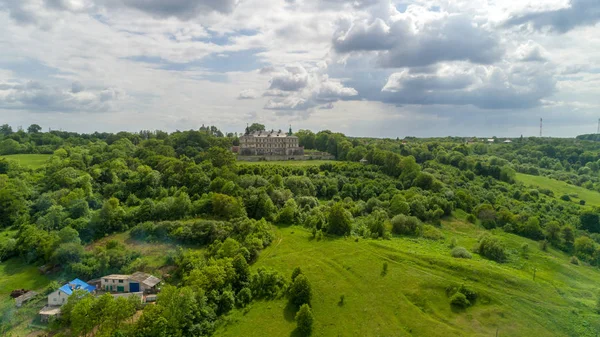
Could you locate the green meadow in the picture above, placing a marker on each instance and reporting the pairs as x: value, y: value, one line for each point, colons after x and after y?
x: 32, y: 161
x: 411, y: 298
x: 561, y: 188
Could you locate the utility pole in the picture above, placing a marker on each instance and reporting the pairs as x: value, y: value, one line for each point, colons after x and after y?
x: 540, y: 128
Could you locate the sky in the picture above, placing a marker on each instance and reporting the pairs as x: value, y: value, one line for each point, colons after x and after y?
x: 377, y: 68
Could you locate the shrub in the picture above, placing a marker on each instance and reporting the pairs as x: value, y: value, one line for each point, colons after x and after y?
x: 385, y: 269
x: 342, y: 298
x: 469, y: 293
x: 405, y: 225
x: 432, y: 233
x: 544, y: 245
x: 297, y: 271
x: 304, y: 320
x: 459, y: 300
x: 492, y: 248
x: 300, y: 291
x: 582, y: 202
x: 565, y: 197
x: 574, y: 260
x: 453, y: 243
x: 461, y: 253
x: 244, y: 297
x: 471, y: 218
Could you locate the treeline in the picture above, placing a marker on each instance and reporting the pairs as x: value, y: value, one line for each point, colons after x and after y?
x: 187, y: 188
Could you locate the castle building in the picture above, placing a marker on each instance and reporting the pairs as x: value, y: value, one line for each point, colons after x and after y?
x: 270, y: 143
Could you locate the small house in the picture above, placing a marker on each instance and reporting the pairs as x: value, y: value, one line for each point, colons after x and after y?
x: 116, y: 283
x: 60, y: 296
x: 137, y: 282
x: 508, y: 141
x: 147, y: 283
x: 364, y: 161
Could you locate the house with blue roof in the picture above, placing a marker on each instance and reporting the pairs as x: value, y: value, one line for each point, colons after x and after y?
x: 60, y: 296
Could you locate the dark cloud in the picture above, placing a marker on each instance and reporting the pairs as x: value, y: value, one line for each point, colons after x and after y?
x: 486, y: 87
x: 398, y: 44
x: 183, y: 9
x: 578, y: 13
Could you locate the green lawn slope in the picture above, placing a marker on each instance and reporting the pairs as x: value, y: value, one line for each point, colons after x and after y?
x: 32, y: 161
x: 411, y: 299
x: 561, y: 188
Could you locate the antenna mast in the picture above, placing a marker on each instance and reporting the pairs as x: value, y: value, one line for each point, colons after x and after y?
x: 597, y: 132
x: 540, y: 128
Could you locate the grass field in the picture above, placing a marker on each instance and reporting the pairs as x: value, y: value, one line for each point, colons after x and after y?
x: 411, y: 300
x: 288, y: 162
x: 16, y: 274
x: 32, y: 161
x: 560, y: 188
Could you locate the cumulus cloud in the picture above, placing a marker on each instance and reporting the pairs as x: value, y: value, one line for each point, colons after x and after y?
x: 35, y: 96
x: 248, y: 94
x: 296, y: 88
x: 577, y: 13
x: 420, y: 38
x: 502, y: 86
x: 532, y: 52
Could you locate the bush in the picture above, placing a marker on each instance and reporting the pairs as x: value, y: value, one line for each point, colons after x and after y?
x: 453, y: 243
x: 432, y: 233
x: 565, y: 197
x: 582, y: 202
x: 385, y: 269
x: 492, y: 248
x: 469, y: 293
x: 574, y: 260
x: 300, y: 291
x: 304, y: 320
x: 461, y: 253
x: 544, y: 245
x: 405, y: 225
x: 244, y: 297
x: 471, y: 218
x: 459, y: 300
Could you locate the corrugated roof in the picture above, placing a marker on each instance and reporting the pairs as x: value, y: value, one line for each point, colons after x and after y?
x: 117, y: 277
x: 145, y: 278
x: 75, y: 285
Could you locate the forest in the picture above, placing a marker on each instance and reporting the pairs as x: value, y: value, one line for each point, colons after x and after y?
x: 222, y: 219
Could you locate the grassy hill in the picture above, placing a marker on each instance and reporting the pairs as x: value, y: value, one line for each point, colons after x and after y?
x: 32, y: 161
x: 561, y: 188
x: 411, y: 299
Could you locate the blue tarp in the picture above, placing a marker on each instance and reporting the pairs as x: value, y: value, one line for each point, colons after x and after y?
x: 76, y: 284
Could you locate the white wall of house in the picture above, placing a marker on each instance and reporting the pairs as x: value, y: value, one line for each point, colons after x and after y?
x: 58, y: 297
x: 114, y: 285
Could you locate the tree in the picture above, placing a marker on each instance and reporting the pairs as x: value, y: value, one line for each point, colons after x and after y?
x: 295, y: 273
x: 300, y: 291
x: 220, y: 157
x: 340, y: 220
x: 304, y: 320
x: 256, y: 127
x: 288, y: 213
x: 244, y: 297
x: 553, y: 231
x: 6, y: 130
x: 34, y: 128
x: 82, y: 316
x: 590, y: 221
x: 398, y: 205
x: 405, y: 225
